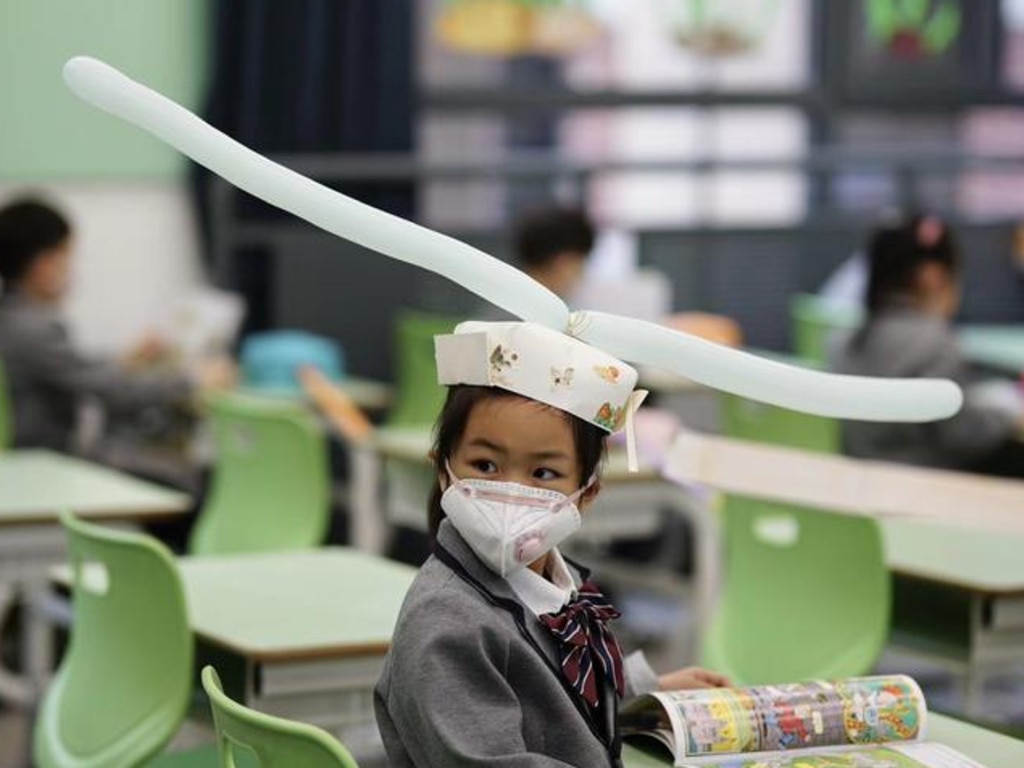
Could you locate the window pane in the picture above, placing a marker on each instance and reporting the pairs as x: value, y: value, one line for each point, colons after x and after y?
x: 998, y: 191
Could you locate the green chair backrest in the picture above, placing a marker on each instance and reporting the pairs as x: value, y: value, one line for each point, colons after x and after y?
x: 123, y: 687
x: 749, y: 420
x: 276, y: 743
x: 806, y: 595
x: 815, y: 321
x: 271, y: 481
x: 6, y: 412
x: 418, y: 398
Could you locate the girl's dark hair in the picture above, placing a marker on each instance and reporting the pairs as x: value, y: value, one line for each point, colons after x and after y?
x: 899, y: 249
x: 451, y: 426
x: 543, y: 234
x: 896, y: 252
x: 28, y: 228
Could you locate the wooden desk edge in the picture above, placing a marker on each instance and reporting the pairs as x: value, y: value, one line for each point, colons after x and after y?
x: 985, y: 590
x: 98, y: 515
x: 346, y: 651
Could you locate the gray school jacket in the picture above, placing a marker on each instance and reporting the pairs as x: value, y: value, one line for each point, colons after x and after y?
x: 47, y: 377
x: 473, y: 679
x: 903, y: 342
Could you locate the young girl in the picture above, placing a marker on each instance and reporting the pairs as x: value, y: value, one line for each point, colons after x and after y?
x: 502, y: 654
x: 912, y: 295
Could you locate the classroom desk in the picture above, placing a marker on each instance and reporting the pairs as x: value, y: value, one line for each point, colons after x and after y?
x: 311, y: 627
x: 985, y: 567
x: 992, y: 750
x: 368, y: 394
x: 1000, y: 347
x: 34, y: 487
x: 308, y: 629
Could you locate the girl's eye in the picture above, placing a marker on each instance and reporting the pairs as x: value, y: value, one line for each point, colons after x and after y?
x: 484, y: 465
x: 543, y: 473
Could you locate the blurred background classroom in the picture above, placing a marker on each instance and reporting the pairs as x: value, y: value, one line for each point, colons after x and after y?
x: 717, y: 166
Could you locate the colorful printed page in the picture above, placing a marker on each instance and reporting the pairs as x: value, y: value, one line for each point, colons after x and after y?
x: 773, y: 718
x: 866, y: 710
x: 917, y: 755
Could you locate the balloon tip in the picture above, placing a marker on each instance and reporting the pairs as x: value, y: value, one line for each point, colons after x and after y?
x: 81, y: 71
x: 73, y: 70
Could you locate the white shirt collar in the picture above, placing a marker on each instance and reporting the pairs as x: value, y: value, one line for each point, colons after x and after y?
x: 538, y: 593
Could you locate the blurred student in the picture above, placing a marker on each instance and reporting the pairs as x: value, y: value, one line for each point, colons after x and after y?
x: 552, y: 246
x: 47, y: 376
x: 913, y: 293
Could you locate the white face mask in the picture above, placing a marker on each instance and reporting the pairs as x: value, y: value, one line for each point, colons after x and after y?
x: 509, y: 525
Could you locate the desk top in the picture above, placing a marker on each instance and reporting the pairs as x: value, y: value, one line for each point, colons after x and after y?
x: 413, y: 444
x: 993, y: 750
x: 296, y: 605
x: 973, y: 560
x: 368, y: 394
x: 36, y: 485
x: 995, y: 346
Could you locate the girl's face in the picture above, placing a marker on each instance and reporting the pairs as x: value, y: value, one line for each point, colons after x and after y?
x: 938, y: 290
x: 513, y: 439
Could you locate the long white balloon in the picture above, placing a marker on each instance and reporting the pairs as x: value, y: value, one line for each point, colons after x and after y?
x: 758, y: 378
x: 501, y: 284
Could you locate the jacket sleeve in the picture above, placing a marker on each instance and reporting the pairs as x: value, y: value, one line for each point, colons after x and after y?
x: 640, y: 677
x: 448, y: 699
x: 54, y: 361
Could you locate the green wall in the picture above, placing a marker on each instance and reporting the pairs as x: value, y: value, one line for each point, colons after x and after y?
x: 47, y: 134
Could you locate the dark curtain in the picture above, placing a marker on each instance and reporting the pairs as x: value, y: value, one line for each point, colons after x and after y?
x: 316, y: 76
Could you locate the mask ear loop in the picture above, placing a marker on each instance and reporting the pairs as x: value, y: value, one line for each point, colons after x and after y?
x: 636, y: 398
x: 456, y: 482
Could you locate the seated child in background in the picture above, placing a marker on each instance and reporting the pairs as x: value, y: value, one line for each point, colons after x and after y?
x: 502, y: 655
x: 46, y: 376
x: 913, y: 293
x: 552, y: 246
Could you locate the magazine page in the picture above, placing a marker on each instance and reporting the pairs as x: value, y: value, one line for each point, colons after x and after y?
x: 915, y: 755
x: 856, y: 711
x: 652, y: 716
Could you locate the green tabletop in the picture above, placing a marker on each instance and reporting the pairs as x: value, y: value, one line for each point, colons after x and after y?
x: 296, y: 605
x: 369, y: 394
x: 979, y: 561
x: 991, y: 749
x: 995, y: 346
x: 36, y: 485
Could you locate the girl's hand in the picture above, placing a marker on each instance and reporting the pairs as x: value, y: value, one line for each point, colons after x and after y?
x: 692, y: 677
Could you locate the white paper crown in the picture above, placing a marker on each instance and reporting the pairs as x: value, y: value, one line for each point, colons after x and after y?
x: 541, y: 364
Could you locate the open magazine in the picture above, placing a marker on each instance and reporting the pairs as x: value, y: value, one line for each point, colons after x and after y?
x: 863, y: 722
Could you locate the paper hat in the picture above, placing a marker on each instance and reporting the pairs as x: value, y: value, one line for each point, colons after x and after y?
x: 741, y: 373
x: 541, y: 364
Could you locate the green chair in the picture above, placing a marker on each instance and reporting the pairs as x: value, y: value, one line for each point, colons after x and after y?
x: 814, y: 323
x: 806, y: 594
x: 760, y: 423
x: 748, y: 420
x: 274, y: 742
x: 418, y: 398
x: 6, y: 412
x: 271, y: 482
x: 124, y: 685
x: 418, y: 402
